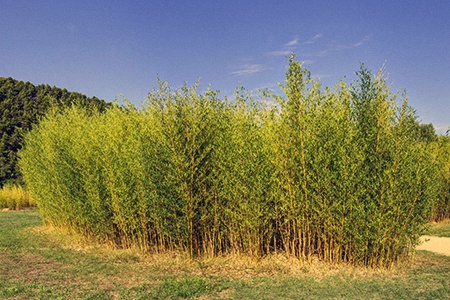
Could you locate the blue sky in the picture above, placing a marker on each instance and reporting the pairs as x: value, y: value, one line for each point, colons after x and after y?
x: 108, y: 48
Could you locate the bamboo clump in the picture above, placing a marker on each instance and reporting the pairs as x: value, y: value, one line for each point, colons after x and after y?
x: 335, y: 173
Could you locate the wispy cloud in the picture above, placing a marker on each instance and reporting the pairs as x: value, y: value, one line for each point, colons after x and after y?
x: 248, y: 69
x: 334, y: 47
x: 351, y: 46
x: 296, y: 45
x: 313, y: 39
x: 279, y: 53
x: 287, y: 48
x: 290, y: 46
x: 292, y: 43
x: 317, y: 36
x: 321, y: 53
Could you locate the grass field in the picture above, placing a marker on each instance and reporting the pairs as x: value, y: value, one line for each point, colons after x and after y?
x: 37, y: 262
x: 441, y: 229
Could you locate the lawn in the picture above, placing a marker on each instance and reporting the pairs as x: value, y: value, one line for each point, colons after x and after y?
x: 441, y: 229
x: 37, y: 262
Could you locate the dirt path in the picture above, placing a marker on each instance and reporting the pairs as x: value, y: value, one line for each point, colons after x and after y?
x: 435, y: 244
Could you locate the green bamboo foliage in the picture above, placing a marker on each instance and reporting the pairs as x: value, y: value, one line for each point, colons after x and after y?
x: 245, y: 178
x: 190, y: 128
x: 394, y: 175
x: 296, y: 113
x: 336, y: 173
x: 440, y: 152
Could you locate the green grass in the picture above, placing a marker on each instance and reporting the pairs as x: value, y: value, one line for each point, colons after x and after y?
x: 441, y: 229
x: 37, y: 262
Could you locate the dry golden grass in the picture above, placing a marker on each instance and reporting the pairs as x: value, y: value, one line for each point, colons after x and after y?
x: 236, y: 266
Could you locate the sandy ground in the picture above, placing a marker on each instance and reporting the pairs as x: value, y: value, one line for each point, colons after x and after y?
x: 435, y: 244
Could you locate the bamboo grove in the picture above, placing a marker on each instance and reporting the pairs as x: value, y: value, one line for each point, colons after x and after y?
x: 339, y: 173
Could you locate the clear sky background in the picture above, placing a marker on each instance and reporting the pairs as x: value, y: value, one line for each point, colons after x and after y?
x: 108, y: 48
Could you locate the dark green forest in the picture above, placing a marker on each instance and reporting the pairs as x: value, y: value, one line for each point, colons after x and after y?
x: 22, y: 104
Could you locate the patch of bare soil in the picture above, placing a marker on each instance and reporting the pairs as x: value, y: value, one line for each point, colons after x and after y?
x: 440, y: 245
